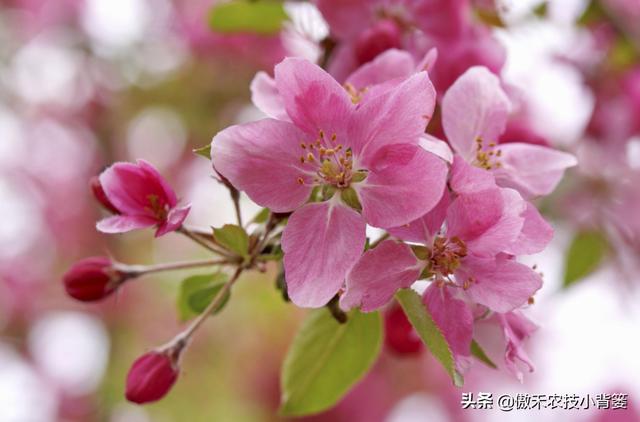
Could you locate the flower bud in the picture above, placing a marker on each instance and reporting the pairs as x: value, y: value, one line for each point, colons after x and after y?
x: 151, y: 376
x: 100, y: 195
x: 400, y: 336
x: 92, y: 279
x: 377, y: 39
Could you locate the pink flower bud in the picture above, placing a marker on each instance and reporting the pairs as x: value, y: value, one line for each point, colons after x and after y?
x: 151, y: 377
x: 377, y: 39
x: 400, y: 336
x: 98, y: 193
x: 92, y: 279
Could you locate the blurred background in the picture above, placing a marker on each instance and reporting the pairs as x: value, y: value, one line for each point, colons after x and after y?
x: 84, y: 83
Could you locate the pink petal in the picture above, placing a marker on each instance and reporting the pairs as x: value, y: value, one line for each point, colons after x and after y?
x: 535, y: 235
x: 174, y: 220
x: 129, y: 187
x: 155, y: 175
x: 466, y: 178
x: 455, y: 320
x: 125, y: 223
x: 378, y: 274
x: 501, y: 284
x: 346, y: 18
x: 474, y: 107
x: 263, y: 159
x: 426, y: 227
x: 533, y: 170
x: 265, y: 96
x: 436, y: 146
x: 488, y: 221
x: 392, y: 64
x: 516, y: 328
x: 400, y: 115
x: 404, y: 183
x: 313, y: 99
x: 428, y: 61
x: 321, y: 243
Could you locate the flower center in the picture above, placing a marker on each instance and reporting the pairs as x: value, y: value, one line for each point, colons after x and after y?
x: 446, y: 255
x: 330, y: 162
x: 487, y: 157
x: 157, y: 207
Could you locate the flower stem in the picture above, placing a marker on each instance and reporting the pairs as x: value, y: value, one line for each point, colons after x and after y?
x: 196, y: 237
x: 138, y: 270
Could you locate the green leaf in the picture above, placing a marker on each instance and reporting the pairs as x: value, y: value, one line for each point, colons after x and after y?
x: 326, y: 359
x: 262, y: 216
x: 258, y: 17
x: 196, y: 292
x: 429, y: 332
x: 584, y: 256
x: 478, y: 352
x: 204, y: 151
x: 233, y: 238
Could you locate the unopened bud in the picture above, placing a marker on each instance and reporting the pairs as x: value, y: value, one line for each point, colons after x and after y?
x: 92, y: 279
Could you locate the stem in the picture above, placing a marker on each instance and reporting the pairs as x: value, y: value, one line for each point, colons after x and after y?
x: 235, y: 196
x: 139, y: 270
x: 213, y: 305
x: 193, y: 236
x: 379, y: 240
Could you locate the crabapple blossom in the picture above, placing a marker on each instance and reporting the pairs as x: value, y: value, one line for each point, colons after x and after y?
x: 142, y: 197
x: 474, y: 115
x: 485, y: 225
x: 364, y: 156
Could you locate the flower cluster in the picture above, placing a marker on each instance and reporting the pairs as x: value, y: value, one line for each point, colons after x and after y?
x: 342, y: 157
x: 370, y: 143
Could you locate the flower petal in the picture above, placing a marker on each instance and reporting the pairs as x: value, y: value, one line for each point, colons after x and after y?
x: 154, y: 175
x: 403, y: 184
x: 312, y: 98
x: 265, y: 96
x: 437, y: 147
x: 466, y: 178
x: 125, y: 223
x: 474, y: 107
x: 378, y: 274
x: 533, y: 170
x: 426, y: 227
x: 488, y: 221
x: 263, y: 159
x: 516, y: 328
x: 501, y: 284
x: 321, y: 243
x: 392, y: 64
x: 455, y: 320
x: 535, y: 235
x: 399, y: 115
x: 174, y: 220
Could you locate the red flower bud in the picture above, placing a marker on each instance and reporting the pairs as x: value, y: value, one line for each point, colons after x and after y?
x: 379, y: 38
x: 92, y: 279
x: 400, y: 336
x: 100, y: 195
x: 151, y: 377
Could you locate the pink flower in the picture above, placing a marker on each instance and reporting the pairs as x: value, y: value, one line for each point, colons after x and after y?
x: 151, y: 377
x: 365, y: 154
x: 485, y: 225
x: 474, y: 115
x: 92, y: 279
x: 142, y: 197
x: 516, y: 329
x: 365, y: 29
